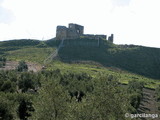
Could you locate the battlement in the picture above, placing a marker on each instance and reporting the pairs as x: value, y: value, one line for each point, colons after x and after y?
x: 75, y: 31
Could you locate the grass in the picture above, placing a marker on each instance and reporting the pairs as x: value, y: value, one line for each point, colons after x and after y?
x: 30, y: 54
x: 95, y: 70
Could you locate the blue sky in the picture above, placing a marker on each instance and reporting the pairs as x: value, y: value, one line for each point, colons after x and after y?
x: 131, y: 21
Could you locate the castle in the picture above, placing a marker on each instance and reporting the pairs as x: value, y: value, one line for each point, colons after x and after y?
x: 75, y: 31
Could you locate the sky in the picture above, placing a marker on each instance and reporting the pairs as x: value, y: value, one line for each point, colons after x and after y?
x: 131, y: 21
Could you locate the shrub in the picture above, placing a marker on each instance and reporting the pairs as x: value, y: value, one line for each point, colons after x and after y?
x: 22, y: 66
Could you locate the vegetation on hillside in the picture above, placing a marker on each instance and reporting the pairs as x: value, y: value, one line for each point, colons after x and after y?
x: 94, y: 69
x: 19, y: 43
x: 11, y: 45
x: 26, y: 50
x: 56, y: 95
x: 85, y: 85
x: 137, y: 59
x: 31, y: 54
x: 135, y: 89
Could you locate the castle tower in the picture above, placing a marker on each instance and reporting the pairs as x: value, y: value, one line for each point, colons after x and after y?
x: 61, y: 32
x: 110, y: 38
x: 77, y: 28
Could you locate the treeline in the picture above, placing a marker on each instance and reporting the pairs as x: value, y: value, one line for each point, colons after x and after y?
x: 52, y: 95
x: 19, y: 43
x: 11, y: 45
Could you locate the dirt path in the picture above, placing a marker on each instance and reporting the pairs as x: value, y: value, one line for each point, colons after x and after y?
x: 148, y: 104
x: 11, y: 65
x: 34, y: 67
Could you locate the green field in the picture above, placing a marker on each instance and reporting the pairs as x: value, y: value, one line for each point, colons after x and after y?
x: 30, y: 54
x: 95, y: 70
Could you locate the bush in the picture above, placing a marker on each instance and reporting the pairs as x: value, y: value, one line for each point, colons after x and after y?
x: 135, y: 90
x: 8, y: 86
x: 5, y: 109
x: 22, y: 66
x: 135, y: 100
x: 2, y: 61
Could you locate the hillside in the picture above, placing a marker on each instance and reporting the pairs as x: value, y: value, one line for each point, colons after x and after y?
x: 140, y: 60
x: 87, y: 79
x: 27, y: 50
x: 137, y: 59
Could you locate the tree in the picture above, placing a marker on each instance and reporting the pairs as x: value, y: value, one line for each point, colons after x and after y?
x: 2, y: 61
x: 5, y: 109
x: 51, y: 103
x: 26, y: 81
x: 135, y: 93
x: 25, y: 108
x: 15, y: 106
x: 22, y: 66
x: 8, y: 86
x: 107, y: 102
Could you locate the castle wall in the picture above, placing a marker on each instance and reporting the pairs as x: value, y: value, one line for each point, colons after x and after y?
x: 89, y: 36
x: 92, y: 36
x: 101, y: 37
x: 72, y: 34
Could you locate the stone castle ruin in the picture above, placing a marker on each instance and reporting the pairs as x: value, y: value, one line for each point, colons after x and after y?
x: 75, y: 31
